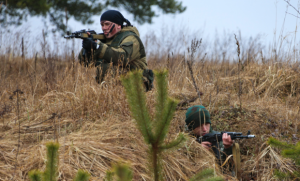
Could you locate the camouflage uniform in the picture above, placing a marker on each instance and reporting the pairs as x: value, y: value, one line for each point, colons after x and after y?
x: 125, y: 51
x: 198, y: 115
x: 220, y: 151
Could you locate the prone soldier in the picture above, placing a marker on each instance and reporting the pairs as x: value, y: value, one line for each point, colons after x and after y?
x: 199, y: 124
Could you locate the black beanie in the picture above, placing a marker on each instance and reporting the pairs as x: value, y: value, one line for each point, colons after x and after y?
x: 115, y: 17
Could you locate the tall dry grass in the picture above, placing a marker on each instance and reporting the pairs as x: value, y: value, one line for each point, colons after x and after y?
x: 61, y: 101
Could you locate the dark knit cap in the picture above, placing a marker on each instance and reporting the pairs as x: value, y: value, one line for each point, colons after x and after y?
x: 195, y: 116
x: 115, y: 17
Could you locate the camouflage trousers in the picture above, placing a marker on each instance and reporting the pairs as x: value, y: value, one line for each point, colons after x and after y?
x: 103, y: 68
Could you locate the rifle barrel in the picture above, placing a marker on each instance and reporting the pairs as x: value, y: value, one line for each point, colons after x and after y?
x: 245, y: 136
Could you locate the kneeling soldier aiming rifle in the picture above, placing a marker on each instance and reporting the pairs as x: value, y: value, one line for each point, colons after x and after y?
x: 119, y: 46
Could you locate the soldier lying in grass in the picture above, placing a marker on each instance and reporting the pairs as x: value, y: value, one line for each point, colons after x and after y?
x: 198, y: 123
x: 122, y: 48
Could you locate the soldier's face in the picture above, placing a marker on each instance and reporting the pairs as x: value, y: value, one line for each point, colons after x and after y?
x: 202, y: 130
x: 109, y: 28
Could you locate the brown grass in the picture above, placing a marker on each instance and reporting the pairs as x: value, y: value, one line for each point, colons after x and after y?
x: 92, y: 122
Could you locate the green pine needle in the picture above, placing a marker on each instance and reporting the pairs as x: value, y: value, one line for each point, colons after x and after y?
x: 175, y: 143
x: 281, y: 175
x: 35, y: 175
x: 123, y: 172
x: 137, y: 101
x: 154, y: 132
x: 214, y: 179
x: 276, y: 143
x: 207, y: 175
x: 51, y: 171
x: 109, y: 175
x: 162, y: 126
x: 82, y: 176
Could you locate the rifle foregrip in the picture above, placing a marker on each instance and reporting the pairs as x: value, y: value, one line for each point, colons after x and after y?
x: 95, y: 36
x: 99, y: 37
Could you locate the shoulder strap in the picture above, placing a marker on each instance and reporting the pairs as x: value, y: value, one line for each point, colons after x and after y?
x: 120, y: 37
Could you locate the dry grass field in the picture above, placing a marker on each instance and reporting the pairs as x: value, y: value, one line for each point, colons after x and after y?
x: 54, y: 98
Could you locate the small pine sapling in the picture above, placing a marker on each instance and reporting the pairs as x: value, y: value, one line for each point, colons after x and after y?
x: 154, y: 132
x: 35, y: 175
x: 82, y: 175
x: 121, y: 171
x: 51, y: 171
x: 288, y: 151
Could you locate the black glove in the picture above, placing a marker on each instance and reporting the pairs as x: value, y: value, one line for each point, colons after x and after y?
x: 88, y: 43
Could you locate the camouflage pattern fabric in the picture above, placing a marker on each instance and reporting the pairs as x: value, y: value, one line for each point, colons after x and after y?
x: 198, y: 115
x: 125, y: 51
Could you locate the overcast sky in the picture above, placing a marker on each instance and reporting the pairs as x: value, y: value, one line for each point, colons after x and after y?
x: 251, y: 17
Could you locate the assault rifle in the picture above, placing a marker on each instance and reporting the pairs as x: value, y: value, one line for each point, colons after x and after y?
x: 217, y: 137
x: 84, y: 34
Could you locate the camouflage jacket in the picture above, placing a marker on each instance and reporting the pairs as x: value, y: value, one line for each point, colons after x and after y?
x: 125, y: 49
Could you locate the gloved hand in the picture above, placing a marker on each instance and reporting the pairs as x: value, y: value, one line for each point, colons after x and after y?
x: 88, y: 43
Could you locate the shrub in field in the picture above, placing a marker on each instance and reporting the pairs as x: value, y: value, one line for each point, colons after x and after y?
x: 206, y: 175
x: 155, y: 131
x: 121, y: 171
x: 51, y: 171
x: 288, y: 151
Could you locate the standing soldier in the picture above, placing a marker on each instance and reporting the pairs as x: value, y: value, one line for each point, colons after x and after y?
x: 122, y: 48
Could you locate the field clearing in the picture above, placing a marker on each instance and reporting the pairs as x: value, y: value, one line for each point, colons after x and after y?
x: 54, y: 98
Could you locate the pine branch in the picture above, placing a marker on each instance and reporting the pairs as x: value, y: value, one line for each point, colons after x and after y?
x: 162, y: 99
x: 165, y: 109
x: 156, y: 162
x: 51, y: 171
x: 123, y: 172
x: 276, y: 143
x: 175, y: 143
x: 162, y: 125
x: 82, y: 176
x: 109, y: 175
x: 137, y: 103
x: 35, y: 175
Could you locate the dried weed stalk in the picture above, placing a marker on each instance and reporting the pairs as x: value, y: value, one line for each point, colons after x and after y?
x: 239, y: 70
x: 195, y: 45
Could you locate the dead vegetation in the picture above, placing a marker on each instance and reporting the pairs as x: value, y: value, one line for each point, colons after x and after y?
x: 61, y: 101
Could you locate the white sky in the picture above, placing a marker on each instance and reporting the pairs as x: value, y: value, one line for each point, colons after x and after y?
x: 251, y: 17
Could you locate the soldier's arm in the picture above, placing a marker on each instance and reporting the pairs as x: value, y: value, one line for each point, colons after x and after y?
x: 82, y: 59
x: 225, y: 151
x: 127, y: 51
